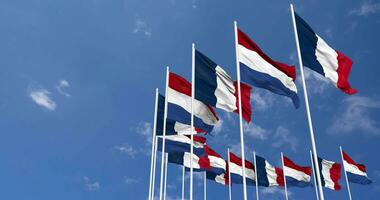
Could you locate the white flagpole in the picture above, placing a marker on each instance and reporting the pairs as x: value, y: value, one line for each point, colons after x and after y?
x: 314, y: 148
x: 283, y: 169
x: 204, y: 186
x: 154, y: 167
x: 164, y: 133
x: 192, y: 117
x: 256, y: 178
x: 240, y: 112
x: 229, y: 176
x: 183, y: 182
x: 345, y: 173
x: 315, y: 180
x: 166, y: 174
x: 153, y: 145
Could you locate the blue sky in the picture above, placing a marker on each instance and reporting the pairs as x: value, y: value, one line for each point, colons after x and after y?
x: 77, y: 88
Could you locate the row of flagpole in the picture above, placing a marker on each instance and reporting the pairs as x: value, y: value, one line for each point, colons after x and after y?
x: 313, y: 153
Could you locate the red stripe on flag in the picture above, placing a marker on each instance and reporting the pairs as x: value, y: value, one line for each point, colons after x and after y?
x: 280, y: 176
x: 289, y: 163
x: 245, y: 100
x: 349, y: 160
x: 238, y: 161
x: 335, y: 174
x: 245, y: 41
x: 344, y: 68
x: 211, y: 152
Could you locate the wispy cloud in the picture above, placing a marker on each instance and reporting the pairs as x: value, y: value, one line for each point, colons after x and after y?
x: 194, y: 4
x: 366, y: 8
x: 256, y: 131
x: 262, y: 100
x: 316, y: 83
x: 218, y: 127
x: 91, y: 185
x: 127, y: 149
x: 283, y: 137
x: 130, y: 180
x: 142, y: 28
x: 145, y: 129
x: 62, y: 85
x: 355, y: 115
x: 271, y: 191
x: 42, y: 98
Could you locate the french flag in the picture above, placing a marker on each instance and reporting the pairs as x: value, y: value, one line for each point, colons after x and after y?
x: 219, y: 178
x: 321, y: 58
x: 179, y: 105
x: 296, y: 175
x: 258, y: 69
x: 182, y: 143
x: 217, y: 163
x: 215, y: 87
x: 172, y: 127
x: 330, y: 173
x: 267, y: 175
x: 236, y: 170
x: 356, y: 173
x: 199, y: 162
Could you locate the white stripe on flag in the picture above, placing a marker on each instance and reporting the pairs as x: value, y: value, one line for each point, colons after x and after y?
x: 353, y: 169
x: 328, y: 58
x: 236, y: 169
x: 217, y: 162
x: 326, y: 166
x: 298, y: 175
x: 186, y: 160
x: 225, y: 98
x: 271, y: 174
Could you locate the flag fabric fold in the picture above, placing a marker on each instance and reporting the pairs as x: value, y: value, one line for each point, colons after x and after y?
x: 296, y: 175
x: 330, y: 174
x: 214, y: 86
x: 236, y: 170
x: 200, y: 163
x: 182, y: 143
x: 321, y: 58
x: 217, y: 163
x: 356, y: 173
x: 258, y: 69
x: 268, y: 175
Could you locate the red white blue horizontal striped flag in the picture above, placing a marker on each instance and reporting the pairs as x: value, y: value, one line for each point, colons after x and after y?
x: 296, y: 175
x: 356, y: 173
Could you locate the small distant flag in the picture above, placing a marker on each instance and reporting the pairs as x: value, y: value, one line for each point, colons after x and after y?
x: 267, y: 175
x: 260, y: 70
x: 321, y: 58
x: 179, y: 105
x: 296, y: 175
x: 356, y: 173
x: 236, y: 170
x: 182, y: 143
x: 330, y: 173
x: 200, y: 163
x: 214, y: 86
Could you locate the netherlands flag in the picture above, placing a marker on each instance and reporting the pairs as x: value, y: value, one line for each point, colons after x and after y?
x: 330, y: 173
x: 260, y: 70
x: 296, y: 175
x: 217, y: 163
x: 215, y: 87
x: 356, y: 173
x: 236, y: 170
x: 182, y: 143
x: 321, y: 58
x: 179, y: 105
x: 172, y: 127
x: 267, y: 175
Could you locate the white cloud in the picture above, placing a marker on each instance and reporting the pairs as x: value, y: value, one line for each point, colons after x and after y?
x: 142, y: 28
x: 262, y: 100
x: 356, y: 116
x: 256, y: 131
x: 366, y: 8
x: 91, y: 185
x: 218, y: 127
x: 62, y: 84
x: 194, y: 4
x: 41, y: 97
x: 283, y: 137
x: 328, y: 32
x: 145, y: 129
x: 316, y: 83
x: 129, y: 180
x: 271, y: 191
x: 127, y: 149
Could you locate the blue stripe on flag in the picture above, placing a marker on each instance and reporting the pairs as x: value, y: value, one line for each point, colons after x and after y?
x: 205, y: 79
x: 292, y: 182
x: 354, y: 178
x: 261, y: 171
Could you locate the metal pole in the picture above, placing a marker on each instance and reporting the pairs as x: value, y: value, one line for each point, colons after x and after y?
x: 183, y: 182
x: 240, y: 112
x: 229, y: 176
x: 153, y: 145
x: 345, y: 173
x: 164, y: 133
x: 256, y: 178
x: 192, y: 117
x: 204, y: 186
x: 315, y: 181
x: 154, y: 166
x: 314, y: 148
x: 166, y: 174
x: 283, y: 169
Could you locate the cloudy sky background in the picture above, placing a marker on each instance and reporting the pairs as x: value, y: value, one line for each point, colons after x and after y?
x: 77, y: 88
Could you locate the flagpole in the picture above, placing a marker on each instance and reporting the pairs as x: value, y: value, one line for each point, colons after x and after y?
x: 204, y: 186
x: 240, y: 112
x: 153, y: 145
x: 283, y: 170
x: 183, y: 182
x: 256, y: 178
x: 166, y: 174
x: 315, y: 181
x: 154, y: 167
x: 229, y: 176
x: 192, y: 117
x: 313, y: 145
x: 345, y: 173
x: 164, y: 133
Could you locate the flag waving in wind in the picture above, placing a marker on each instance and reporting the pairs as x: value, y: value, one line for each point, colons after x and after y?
x: 356, y: 173
x: 330, y: 173
x: 267, y: 175
x: 296, y: 175
x: 214, y: 86
x: 321, y: 58
x: 260, y: 70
